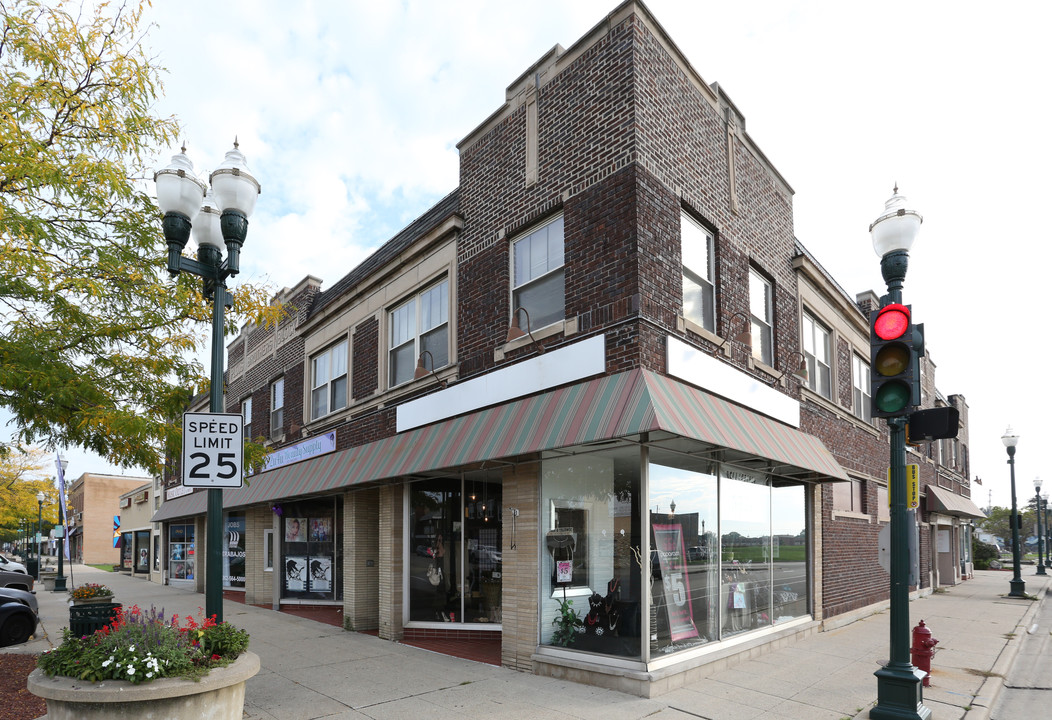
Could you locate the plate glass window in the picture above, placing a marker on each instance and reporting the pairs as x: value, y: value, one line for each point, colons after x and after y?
x: 277, y: 406
x: 863, y: 403
x: 539, y: 275
x: 816, y: 352
x: 699, y: 294
x: 762, y: 314
x: 421, y: 323
x: 329, y: 381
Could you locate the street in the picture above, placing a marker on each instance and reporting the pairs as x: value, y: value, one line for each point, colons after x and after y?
x: 1028, y: 685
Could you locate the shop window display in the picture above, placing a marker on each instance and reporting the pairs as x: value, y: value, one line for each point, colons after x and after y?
x: 234, y: 550
x: 591, y: 531
x: 455, y: 556
x: 310, y: 548
x: 181, y: 552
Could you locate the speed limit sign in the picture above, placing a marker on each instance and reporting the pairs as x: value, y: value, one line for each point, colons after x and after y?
x: 212, y: 450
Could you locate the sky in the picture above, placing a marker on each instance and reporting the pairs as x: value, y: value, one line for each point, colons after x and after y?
x: 349, y: 114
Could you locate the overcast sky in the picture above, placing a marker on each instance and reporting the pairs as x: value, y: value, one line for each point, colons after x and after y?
x: 349, y: 114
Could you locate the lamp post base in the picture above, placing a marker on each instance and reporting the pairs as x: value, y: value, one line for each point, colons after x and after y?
x: 60, y: 583
x: 899, y: 695
x: 1017, y: 588
x: 1041, y: 569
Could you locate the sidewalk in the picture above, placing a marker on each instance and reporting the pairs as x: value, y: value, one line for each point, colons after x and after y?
x: 313, y: 670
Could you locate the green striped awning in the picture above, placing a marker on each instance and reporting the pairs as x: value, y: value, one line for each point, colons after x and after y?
x: 605, y: 408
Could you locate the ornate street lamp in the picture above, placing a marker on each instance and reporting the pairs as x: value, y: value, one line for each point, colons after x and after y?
x: 223, y: 212
x: 1041, y: 550
x: 1048, y: 531
x: 1016, y: 584
x: 899, y: 693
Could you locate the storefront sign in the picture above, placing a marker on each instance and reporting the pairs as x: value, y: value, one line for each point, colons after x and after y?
x: 671, y: 554
x: 310, y: 448
x: 177, y: 491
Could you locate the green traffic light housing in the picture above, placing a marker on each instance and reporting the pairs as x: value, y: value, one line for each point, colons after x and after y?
x: 895, y: 347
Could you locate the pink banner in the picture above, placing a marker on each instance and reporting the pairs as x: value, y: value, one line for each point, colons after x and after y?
x: 668, y: 543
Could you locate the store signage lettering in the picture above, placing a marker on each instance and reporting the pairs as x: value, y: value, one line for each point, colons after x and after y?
x: 305, y: 450
x: 912, y: 487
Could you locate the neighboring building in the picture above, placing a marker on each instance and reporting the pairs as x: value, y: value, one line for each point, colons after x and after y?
x: 140, y: 538
x: 94, y: 499
x: 541, y: 390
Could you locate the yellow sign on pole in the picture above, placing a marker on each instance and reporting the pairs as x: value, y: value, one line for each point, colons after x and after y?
x: 912, y: 487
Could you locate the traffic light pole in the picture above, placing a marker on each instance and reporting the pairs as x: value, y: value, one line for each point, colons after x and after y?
x: 899, y: 684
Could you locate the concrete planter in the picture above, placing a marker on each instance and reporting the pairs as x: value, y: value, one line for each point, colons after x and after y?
x: 48, y: 579
x: 219, y: 695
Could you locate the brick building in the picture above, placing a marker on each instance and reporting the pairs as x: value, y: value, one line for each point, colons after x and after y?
x: 543, y: 390
x: 94, y: 499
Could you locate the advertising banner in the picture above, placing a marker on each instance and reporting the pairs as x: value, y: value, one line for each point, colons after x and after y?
x: 672, y: 558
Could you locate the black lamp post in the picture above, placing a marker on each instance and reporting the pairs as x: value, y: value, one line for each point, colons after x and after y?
x: 899, y: 684
x: 223, y: 219
x: 1041, y: 550
x: 1048, y: 531
x: 1016, y: 584
x: 60, y: 579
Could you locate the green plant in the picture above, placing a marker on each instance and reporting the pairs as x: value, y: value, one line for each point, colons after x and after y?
x: 566, y: 624
x: 91, y: 590
x: 143, y: 646
x: 982, y: 554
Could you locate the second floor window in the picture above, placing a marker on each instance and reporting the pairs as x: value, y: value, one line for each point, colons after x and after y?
x: 816, y: 352
x: 329, y: 381
x: 277, y: 406
x: 246, y: 411
x: 421, y: 323
x: 761, y: 311
x: 538, y: 275
x: 699, y: 294
x: 862, y: 403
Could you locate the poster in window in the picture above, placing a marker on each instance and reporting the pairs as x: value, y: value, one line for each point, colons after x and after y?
x: 668, y: 543
x: 190, y: 569
x: 296, y: 573
x: 177, y: 551
x: 320, y: 573
x: 178, y: 570
x: 296, y: 530
x: 320, y: 529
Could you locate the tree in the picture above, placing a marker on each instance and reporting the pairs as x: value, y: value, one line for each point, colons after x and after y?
x: 23, y: 473
x: 97, y: 343
x: 999, y: 524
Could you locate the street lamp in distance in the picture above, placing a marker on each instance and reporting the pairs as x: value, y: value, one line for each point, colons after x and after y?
x: 60, y: 579
x: 1040, y: 538
x: 1017, y: 588
x: 40, y: 529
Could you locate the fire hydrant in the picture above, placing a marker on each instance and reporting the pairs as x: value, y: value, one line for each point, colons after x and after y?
x: 922, y: 650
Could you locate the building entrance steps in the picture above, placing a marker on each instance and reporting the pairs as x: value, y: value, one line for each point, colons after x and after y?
x: 315, y: 670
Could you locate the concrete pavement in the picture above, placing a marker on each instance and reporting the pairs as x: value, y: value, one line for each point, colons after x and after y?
x: 313, y: 670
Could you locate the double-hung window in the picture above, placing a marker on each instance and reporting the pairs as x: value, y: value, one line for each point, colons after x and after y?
x: 329, y: 381
x: 699, y: 294
x: 761, y: 311
x: 816, y: 353
x: 246, y: 411
x: 419, y: 324
x: 862, y: 403
x: 538, y: 274
x: 277, y: 407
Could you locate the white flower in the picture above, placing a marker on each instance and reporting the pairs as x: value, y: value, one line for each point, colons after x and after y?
x: 131, y: 670
x: 149, y: 674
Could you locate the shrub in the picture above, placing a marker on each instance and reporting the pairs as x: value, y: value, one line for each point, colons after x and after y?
x: 982, y: 554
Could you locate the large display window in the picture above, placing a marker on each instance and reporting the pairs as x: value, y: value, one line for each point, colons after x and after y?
x: 312, y: 550
x: 181, y: 552
x: 234, y: 550
x: 454, y: 543
x: 728, y: 551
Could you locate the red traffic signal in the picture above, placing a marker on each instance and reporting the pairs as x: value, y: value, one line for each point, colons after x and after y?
x: 892, y: 322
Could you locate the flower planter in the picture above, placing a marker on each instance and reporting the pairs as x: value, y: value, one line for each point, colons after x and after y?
x: 219, y: 695
x: 101, y: 600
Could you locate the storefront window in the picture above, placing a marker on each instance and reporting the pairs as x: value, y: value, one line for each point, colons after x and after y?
x: 234, y: 550
x: 590, y: 530
x: 128, y: 550
x: 745, y: 533
x: 685, y: 567
x: 455, y: 549
x: 142, y: 551
x: 181, y: 555
x: 311, y: 554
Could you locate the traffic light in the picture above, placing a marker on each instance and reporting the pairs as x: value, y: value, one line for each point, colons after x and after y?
x: 896, y: 346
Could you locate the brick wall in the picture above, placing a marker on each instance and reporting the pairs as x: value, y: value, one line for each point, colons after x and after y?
x: 520, y: 571
x: 361, y: 560
x: 390, y: 523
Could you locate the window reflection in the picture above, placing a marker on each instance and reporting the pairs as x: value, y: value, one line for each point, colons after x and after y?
x: 745, y: 515
x: 789, y: 577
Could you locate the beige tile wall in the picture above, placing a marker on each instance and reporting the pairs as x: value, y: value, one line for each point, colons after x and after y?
x: 390, y: 560
x: 361, y: 559
x: 520, y: 569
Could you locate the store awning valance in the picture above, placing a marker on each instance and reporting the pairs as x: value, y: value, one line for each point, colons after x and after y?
x: 610, y: 407
x: 943, y: 501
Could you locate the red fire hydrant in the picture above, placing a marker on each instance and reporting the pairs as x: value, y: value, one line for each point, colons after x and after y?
x: 922, y: 650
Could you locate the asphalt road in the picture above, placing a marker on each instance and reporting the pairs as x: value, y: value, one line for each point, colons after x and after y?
x: 1028, y: 686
